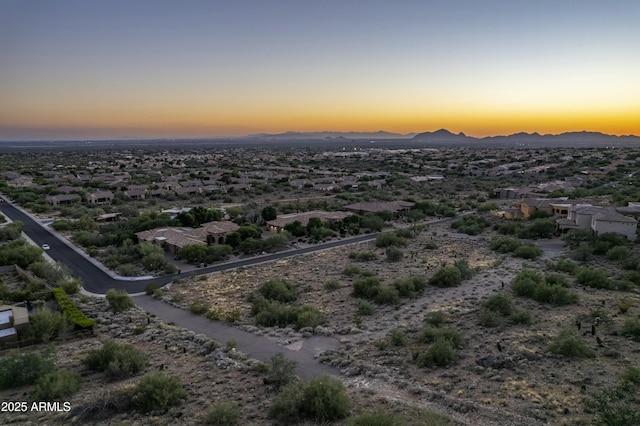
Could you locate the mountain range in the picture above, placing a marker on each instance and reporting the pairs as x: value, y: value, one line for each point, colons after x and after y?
x: 445, y: 137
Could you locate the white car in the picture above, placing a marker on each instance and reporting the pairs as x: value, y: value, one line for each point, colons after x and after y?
x: 45, y: 247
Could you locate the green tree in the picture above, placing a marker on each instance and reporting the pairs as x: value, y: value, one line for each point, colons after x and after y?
x: 46, y: 325
x: 269, y: 213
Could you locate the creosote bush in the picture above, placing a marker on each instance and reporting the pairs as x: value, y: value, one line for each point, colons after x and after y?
x: 158, y: 392
x: 56, y: 385
x: 323, y: 399
x: 567, y: 343
x: 19, y: 369
x: 119, y: 300
x: 278, y: 289
x: 447, y: 276
x: 117, y: 361
x: 223, y: 414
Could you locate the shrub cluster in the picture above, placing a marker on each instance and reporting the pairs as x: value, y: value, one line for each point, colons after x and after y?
x: 117, y: 361
x: 500, y: 306
x: 567, y: 343
x: 56, y: 385
x: 515, y: 247
x: 19, y: 369
x: 158, y: 392
x: 550, y: 289
x: 223, y: 414
x: 447, y: 276
x: 270, y: 309
x: 411, y: 286
x: 363, y: 256
x: 71, y: 311
x: 470, y: 225
x: 617, y: 405
x: 119, y: 300
x: 444, y: 342
x: 323, y: 399
x: 371, y: 288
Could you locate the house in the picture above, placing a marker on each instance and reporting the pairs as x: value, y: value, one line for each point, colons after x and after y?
x: 613, y: 222
x: 136, y: 194
x: 62, y: 199
x: 600, y: 220
x: 14, y: 322
x: 172, y: 239
x: 99, y: 197
x: 278, y: 224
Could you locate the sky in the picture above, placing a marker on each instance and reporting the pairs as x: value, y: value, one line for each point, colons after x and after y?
x: 194, y: 68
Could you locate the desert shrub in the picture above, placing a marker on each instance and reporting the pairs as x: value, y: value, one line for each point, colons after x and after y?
x: 489, y: 318
x: 470, y: 225
x: 435, y: 318
x: 440, y: 354
x: 332, y: 285
x: 286, y: 407
x: 158, y: 392
x: 465, y: 270
x: 117, y: 361
x: 376, y: 418
x: 555, y: 295
x: 509, y: 228
x: 565, y: 265
x: 526, y: 282
x: 278, y: 289
x: 500, y: 303
x: 505, y: 244
x: 388, y: 239
x: 448, y: 276
x: 323, y: 399
x: 633, y: 276
x: 410, y: 286
x: 527, y: 251
x: 521, y: 317
x: 150, y: 288
x: 556, y: 279
x: 281, y: 371
x: 605, y: 242
x: 366, y: 287
x: 363, y: 256
x: 430, y: 245
x: 69, y: 285
x: 582, y: 253
x: 364, y: 308
x: 624, y: 304
x: 593, y: 277
x: 231, y: 344
x: 119, y: 300
x: 398, y: 337
x: 309, y: 316
x: 198, y: 308
x: 387, y: 295
x: 623, y: 285
x: 19, y: 369
x: 540, y: 228
x: 631, y: 328
x: 394, y: 254
x: 617, y: 405
x: 430, y: 334
x: 46, y: 325
x: 275, y: 314
x: 575, y: 237
x: 618, y: 253
x: 568, y: 344
x: 352, y: 270
x: 223, y: 414
x: 56, y: 385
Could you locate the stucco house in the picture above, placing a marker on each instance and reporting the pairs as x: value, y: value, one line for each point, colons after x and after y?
x: 14, y: 322
x: 99, y: 197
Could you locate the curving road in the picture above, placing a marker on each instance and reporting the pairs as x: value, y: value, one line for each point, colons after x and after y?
x: 99, y: 280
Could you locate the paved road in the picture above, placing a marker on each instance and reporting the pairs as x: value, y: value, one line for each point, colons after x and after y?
x: 256, y: 347
x: 98, y: 280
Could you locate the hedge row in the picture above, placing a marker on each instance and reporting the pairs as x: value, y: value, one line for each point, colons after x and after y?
x: 71, y: 310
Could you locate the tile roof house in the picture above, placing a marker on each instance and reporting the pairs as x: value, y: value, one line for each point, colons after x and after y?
x: 99, y: 197
x: 278, y: 224
x: 56, y: 200
x: 600, y: 220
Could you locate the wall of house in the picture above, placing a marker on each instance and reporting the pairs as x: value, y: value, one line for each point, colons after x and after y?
x: 621, y: 228
x: 583, y: 220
